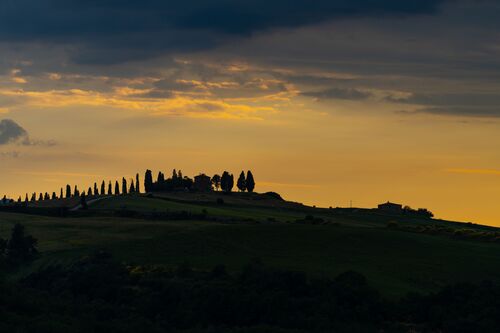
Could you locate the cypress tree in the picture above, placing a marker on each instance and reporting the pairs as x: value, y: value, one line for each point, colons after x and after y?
x: 137, y: 188
x: 224, y: 181
x: 124, y: 186
x: 161, y: 178
x: 83, y: 201
x: 132, y: 187
x: 61, y: 194
x: 54, y: 196
x: 250, y: 182
x: 76, y: 193
x: 89, y: 191
x: 241, y: 184
x: 33, y: 197
x: 40, y: 198
x: 96, y: 190
x: 110, y: 188
x: 117, y: 188
x: 148, y: 181
x: 68, y: 191
x: 26, y: 198
x: 103, y: 188
x: 230, y: 183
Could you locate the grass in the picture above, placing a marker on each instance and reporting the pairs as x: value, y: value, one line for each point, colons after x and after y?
x: 145, y: 204
x: 394, y: 261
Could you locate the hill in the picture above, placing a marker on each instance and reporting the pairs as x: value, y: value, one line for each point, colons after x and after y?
x: 397, y: 254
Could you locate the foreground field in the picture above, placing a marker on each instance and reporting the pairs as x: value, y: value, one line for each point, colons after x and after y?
x: 394, y: 261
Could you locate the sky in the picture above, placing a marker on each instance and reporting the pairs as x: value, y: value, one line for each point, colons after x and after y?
x: 327, y: 102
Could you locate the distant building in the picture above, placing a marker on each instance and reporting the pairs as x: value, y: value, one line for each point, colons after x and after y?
x: 202, y: 183
x: 391, y: 208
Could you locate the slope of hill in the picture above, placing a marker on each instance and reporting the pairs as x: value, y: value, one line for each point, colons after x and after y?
x: 170, y: 230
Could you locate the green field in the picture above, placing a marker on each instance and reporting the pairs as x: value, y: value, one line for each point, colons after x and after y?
x: 394, y: 261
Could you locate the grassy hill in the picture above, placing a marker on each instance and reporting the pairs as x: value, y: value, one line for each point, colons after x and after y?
x: 171, y: 229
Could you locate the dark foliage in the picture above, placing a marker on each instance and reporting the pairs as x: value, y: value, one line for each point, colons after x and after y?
x: 241, y: 183
x: 250, y: 182
x: 148, y: 181
x: 97, y: 294
x: 83, y: 201
x: 20, y: 248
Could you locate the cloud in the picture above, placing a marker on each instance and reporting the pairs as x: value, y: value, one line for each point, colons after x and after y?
x: 339, y: 93
x: 112, y: 31
x: 461, y: 104
x: 10, y: 131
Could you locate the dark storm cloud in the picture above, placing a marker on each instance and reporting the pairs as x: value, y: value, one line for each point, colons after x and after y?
x: 464, y: 99
x: 462, y: 104
x: 339, y: 93
x: 111, y: 31
x: 10, y: 131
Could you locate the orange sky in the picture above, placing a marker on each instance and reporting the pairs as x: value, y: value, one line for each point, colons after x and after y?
x: 367, y: 108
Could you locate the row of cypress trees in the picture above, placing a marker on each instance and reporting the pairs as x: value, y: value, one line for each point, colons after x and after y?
x: 224, y: 183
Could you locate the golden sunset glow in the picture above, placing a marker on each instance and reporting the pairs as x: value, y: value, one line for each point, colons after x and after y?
x: 317, y: 117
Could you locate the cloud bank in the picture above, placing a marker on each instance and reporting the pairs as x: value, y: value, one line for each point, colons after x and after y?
x: 112, y: 31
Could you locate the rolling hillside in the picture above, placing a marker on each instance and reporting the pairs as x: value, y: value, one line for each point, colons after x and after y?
x: 170, y: 230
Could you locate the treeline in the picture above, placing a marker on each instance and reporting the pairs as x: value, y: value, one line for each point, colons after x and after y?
x: 99, y: 294
x: 67, y: 192
x: 177, y: 182
x: 202, y: 182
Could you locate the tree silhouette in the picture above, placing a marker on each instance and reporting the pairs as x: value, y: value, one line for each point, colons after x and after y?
x: 96, y: 190
x: 132, y: 187
x: 241, y: 184
x: 148, y: 181
x: 137, y: 188
x: 89, y: 191
x: 227, y: 182
x: 110, y: 188
x: 26, y: 198
x: 33, y: 197
x: 174, y: 175
x: 61, y: 194
x: 20, y: 248
x: 124, y: 186
x: 216, y: 181
x: 83, y: 201
x: 103, y: 188
x: 250, y: 182
x: 40, y: 197
x: 117, y: 188
x: 68, y: 191
x: 54, y: 196
x: 46, y: 196
x: 76, y: 192
x: 161, y: 178
x: 224, y: 181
